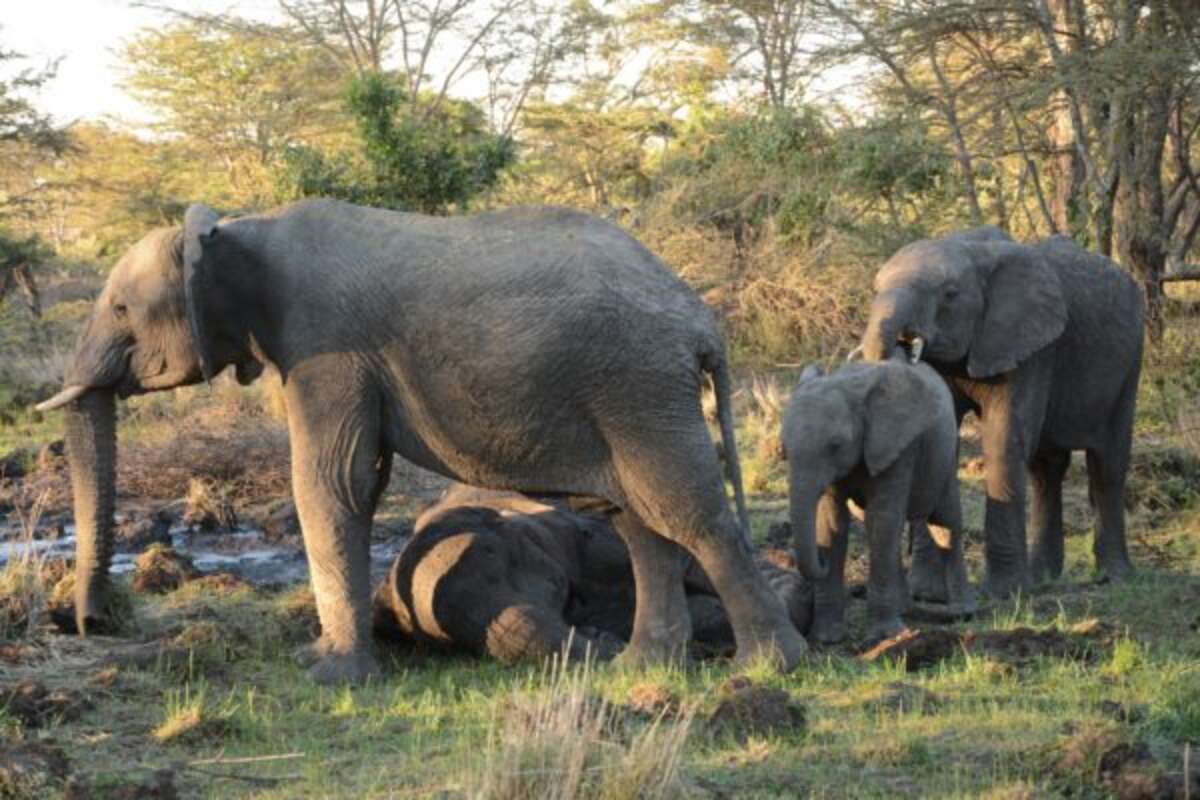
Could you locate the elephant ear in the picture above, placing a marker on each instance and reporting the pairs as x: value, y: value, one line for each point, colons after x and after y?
x: 1024, y: 310
x: 897, y: 410
x: 199, y: 228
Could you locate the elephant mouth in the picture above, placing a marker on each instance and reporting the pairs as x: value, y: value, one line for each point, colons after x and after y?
x: 913, y: 346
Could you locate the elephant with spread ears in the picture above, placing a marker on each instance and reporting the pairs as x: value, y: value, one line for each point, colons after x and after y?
x: 531, y: 349
x: 1044, y: 342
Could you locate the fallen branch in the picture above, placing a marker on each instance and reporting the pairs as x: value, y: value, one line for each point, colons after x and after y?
x: 244, y: 759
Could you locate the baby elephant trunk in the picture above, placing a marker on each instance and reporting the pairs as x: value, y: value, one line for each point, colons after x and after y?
x: 803, y: 500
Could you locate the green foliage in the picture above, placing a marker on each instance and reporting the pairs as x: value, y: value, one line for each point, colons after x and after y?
x: 416, y: 157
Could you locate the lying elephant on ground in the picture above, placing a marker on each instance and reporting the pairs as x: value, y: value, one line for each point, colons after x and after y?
x: 517, y: 577
x: 885, y: 437
x: 531, y: 349
x: 1044, y: 343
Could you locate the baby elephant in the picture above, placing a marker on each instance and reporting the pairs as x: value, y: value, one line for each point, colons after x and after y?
x: 520, y: 578
x: 885, y: 436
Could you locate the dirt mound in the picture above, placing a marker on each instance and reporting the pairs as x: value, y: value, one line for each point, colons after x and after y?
x: 31, y: 770
x: 159, y: 786
x: 1086, y: 642
x: 1105, y: 756
x: 918, y: 648
x: 161, y: 569
x: 747, y: 710
x: 36, y: 706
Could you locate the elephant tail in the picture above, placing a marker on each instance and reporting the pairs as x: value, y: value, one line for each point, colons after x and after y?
x: 717, y: 366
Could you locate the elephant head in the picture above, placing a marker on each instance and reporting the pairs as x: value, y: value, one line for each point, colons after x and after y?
x: 862, y: 415
x: 147, y: 332
x: 976, y: 297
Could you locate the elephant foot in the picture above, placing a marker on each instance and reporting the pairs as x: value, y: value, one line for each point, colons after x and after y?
x: 828, y: 631
x: 885, y: 629
x: 355, y: 668
x: 928, y: 584
x: 782, y: 647
x: 639, y: 655
x: 327, y: 666
x: 999, y: 586
x: 1045, y: 567
x: 1114, y: 570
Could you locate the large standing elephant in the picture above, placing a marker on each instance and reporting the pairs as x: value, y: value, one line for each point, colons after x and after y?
x: 1044, y: 343
x: 885, y: 436
x: 519, y: 577
x: 531, y: 349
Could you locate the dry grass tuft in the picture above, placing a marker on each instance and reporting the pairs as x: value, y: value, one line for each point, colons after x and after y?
x: 23, y: 593
x: 563, y: 743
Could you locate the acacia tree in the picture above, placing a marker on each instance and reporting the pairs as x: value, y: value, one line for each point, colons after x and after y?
x: 236, y: 99
x: 27, y: 137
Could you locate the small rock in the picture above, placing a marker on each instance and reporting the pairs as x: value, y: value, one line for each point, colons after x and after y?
x: 749, y: 710
x: 136, y: 534
x: 162, y: 569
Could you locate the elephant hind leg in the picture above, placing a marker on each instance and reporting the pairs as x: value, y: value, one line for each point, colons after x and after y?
x: 1046, y: 474
x: 1106, y: 488
x: 661, y: 624
x: 675, y: 486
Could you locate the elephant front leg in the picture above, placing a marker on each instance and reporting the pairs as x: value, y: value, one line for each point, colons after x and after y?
x: 829, y: 594
x: 1004, y: 455
x: 662, y: 624
x: 338, y: 474
x: 887, y: 593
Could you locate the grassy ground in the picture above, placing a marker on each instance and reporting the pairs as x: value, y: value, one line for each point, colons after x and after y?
x: 203, y: 693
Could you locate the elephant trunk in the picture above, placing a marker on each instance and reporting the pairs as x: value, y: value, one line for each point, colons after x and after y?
x: 803, y: 502
x: 91, y: 445
x: 892, y: 314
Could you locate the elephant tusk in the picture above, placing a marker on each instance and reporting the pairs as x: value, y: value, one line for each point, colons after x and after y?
x: 855, y: 353
x: 917, y: 346
x: 73, y: 392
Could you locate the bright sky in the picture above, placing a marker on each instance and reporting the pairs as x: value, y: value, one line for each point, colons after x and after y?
x: 87, y: 34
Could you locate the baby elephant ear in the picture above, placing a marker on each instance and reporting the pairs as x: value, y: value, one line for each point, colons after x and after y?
x: 199, y: 227
x: 899, y: 406
x: 1024, y: 310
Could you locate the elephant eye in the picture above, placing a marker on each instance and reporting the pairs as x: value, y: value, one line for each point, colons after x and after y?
x: 951, y: 292
x: 120, y: 309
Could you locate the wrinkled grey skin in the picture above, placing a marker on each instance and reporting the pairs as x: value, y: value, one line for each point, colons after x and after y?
x: 885, y: 436
x: 1044, y: 343
x: 519, y: 578
x: 530, y: 349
